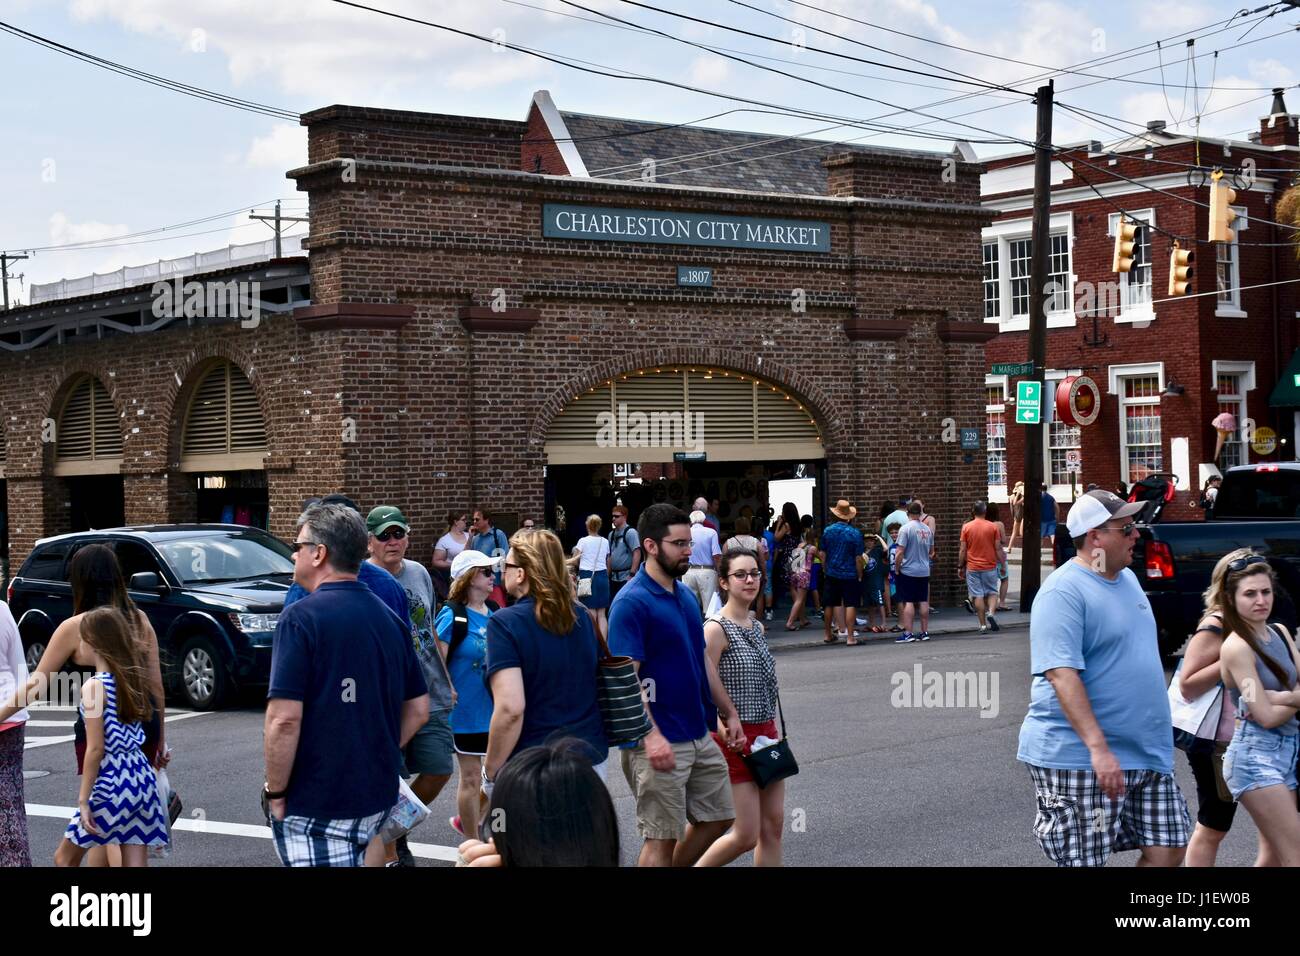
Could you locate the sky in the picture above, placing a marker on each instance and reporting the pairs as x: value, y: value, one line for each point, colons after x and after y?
x: 93, y: 156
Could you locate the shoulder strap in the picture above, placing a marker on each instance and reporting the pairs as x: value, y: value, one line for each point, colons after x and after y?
x: 459, y: 627
x: 1286, y: 640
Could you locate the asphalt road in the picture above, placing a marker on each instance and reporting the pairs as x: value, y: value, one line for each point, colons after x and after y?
x: 879, y: 784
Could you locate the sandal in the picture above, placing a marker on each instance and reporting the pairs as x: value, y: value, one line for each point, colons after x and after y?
x: 896, y: 627
x: 830, y: 640
x: 876, y: 629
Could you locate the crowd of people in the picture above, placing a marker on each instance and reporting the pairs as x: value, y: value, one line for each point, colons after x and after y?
x: 484, y: 666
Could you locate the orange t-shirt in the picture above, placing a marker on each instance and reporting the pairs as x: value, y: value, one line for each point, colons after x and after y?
x: 981, y: 539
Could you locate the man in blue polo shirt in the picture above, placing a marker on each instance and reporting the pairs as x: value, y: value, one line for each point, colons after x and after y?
x: 346, y: 695
x: 677, y: 773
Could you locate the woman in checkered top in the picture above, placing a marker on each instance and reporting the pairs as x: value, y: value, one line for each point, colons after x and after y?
x: 735, y: 643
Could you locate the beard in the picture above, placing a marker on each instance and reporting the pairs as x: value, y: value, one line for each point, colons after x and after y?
x: 671, y: 569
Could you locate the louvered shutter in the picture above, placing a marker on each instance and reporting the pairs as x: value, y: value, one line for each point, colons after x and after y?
x: 224, y: 427
x: 729, y: 416
x: 88, y: 435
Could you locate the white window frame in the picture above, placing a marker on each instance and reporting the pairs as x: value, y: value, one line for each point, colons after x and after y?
x: 1141, y: 311
x: 996, y: 492
x: 1246, y: 370
x: 1052, y: 378
x: 1004, y: 233
x: 1232, y: 308
x: 1116, y: 373
x: 996, y: 262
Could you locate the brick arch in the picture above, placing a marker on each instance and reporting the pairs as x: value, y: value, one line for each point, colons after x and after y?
x: 59, y: 387
x: 834, y: 432
x: 188, y: 371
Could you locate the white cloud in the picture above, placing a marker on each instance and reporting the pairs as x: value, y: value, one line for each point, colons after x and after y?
x: 494, y: 69
x: 708, y: 71
x: 284, y: 148
x: 63, y: 230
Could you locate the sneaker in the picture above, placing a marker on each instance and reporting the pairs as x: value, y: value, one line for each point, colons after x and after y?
x: 455, y: 825
x: 861, y: 621
x: 983, y: 630
x: 993, y: 623
x: 968, y: 605
x: 767, y: 615
x: 925, y: 636
x: 404, y: 855
x: 904, y: 638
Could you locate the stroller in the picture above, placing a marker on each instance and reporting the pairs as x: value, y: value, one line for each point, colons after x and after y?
x: 1157, y: 490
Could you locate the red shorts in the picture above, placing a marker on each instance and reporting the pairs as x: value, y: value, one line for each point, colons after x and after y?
x: 736, y: 768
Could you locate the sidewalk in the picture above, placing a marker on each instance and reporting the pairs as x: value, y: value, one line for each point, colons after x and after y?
x: 947, y: 622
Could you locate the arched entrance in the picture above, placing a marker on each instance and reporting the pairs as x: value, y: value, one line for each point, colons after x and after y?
x: 87, y: 437
x: 678, y: 432
x: 224, y: 447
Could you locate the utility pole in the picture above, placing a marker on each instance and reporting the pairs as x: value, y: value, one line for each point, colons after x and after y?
x: 1031, y: 569
x: 5, y: 259
x: 277, y: 219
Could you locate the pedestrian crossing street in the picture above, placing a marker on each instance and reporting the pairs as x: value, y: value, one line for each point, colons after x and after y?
x: 51, y: 724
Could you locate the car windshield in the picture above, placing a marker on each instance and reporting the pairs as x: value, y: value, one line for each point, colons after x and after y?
x: 236, y: 556
x: 1259, y: 494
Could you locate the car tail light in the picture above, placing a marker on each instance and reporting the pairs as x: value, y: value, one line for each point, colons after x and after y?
x: 1266, y: 467
x: 1160, y: 560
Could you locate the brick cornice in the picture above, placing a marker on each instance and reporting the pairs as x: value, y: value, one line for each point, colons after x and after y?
x: 354, y: 315
x: 862, y: 329
x: 478, y: 320
x: 973, y: 332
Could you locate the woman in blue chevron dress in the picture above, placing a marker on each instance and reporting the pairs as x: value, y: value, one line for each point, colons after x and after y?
x: 119, y: 801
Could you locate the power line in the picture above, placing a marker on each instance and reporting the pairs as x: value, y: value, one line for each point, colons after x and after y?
x: 174, y: 86
x: 1051, y: 70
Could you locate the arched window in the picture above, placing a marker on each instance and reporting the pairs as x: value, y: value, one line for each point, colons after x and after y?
x: 87, y: 432
x: 224, y: 429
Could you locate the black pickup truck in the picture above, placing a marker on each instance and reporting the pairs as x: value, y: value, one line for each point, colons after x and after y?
x: 1258, y: 507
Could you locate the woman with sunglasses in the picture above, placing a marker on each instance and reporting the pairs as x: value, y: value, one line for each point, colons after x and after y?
x: 1259, y: 664
x: 735, y: 644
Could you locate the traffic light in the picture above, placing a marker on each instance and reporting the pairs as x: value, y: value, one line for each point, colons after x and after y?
x: 1180, y: 270
x: 1125, y: 242
x: 1221, y: 214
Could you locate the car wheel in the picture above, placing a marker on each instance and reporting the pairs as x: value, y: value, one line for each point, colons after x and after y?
x: 34, y: 652
x: 202, y: 675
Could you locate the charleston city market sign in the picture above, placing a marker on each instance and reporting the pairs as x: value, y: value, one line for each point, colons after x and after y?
x: 609, y: 224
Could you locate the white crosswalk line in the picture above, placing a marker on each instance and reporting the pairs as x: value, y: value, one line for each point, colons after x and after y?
x: 33, y: 742
x: 426, y: 851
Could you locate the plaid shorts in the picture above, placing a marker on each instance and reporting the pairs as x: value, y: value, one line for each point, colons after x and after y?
x: 1077, y: 825
x: 311, y: 841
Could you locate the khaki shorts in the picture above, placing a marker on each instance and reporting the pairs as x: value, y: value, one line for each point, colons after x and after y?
x: 697, y: 790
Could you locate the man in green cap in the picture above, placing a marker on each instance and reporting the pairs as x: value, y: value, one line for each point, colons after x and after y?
x: 429, y: 753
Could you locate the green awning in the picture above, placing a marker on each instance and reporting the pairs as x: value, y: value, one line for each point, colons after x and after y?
x: 1286, y: 393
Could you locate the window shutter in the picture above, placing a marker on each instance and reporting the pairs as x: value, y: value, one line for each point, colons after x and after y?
x: 224, y: 428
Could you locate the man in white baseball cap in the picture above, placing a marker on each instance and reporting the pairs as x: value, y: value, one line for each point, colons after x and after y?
x: 1097, y: 738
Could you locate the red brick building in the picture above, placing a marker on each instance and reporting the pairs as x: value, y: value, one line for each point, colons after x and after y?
x: 1166, y: 368
x: 486, y: 308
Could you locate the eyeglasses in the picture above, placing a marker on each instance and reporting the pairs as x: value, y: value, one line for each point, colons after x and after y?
x: 509, y: 565
x: 392, y: 533
x: 486, y: 572
x: 298, y: 545
x: 746, y: 575
x: 1241, y: 564
x: 1126, y: 530
x: 677, y: 542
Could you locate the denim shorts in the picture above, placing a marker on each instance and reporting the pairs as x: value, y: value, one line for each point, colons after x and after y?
x: 982, y: 583
x: 1259, y: 758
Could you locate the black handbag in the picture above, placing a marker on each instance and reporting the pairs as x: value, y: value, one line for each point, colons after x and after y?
x: 775, y: 762
x: 618, y: 690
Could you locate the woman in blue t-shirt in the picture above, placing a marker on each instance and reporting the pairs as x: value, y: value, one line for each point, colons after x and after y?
x: 461, y: 626
x: 542, y: 655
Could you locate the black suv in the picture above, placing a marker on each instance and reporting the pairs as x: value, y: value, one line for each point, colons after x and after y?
x: 213, y: 593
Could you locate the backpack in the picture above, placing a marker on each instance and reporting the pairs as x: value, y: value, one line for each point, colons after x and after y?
x: 622, y: 539
x: 460, y: 624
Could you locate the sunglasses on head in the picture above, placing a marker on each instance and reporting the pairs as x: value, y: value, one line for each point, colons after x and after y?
x: 1241, y: 564
x: 391, y: 533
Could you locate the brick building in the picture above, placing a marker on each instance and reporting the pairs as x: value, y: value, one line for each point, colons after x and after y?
x: 1166, y: 368
x: 487, y: 307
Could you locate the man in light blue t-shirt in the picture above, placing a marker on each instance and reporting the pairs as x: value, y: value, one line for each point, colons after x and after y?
x: 912, y: 562
x: 1097, y: 738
